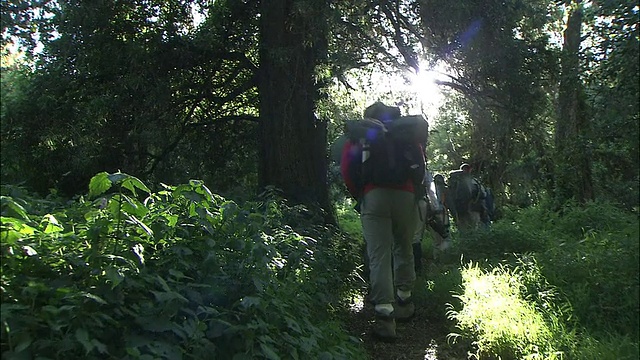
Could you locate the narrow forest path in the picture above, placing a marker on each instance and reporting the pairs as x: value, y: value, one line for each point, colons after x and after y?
x: 424, y: 337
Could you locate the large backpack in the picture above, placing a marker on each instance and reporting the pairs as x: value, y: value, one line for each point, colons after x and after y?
x: 460, y: 192
x: 388, y: 153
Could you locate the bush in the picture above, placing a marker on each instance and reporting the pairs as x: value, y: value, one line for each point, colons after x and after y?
x: 595, y: 264
x: 570, y: 277
x: 125, y: 273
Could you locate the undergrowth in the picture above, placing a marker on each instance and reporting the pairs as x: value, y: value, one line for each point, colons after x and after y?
x: 181, y: 273
x: 550, y: 285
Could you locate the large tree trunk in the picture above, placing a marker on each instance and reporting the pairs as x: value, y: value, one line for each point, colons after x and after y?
x: 573, y: 168
x: 293, y: 141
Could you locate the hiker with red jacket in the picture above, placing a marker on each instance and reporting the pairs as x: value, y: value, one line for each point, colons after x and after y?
x: 384, y: 176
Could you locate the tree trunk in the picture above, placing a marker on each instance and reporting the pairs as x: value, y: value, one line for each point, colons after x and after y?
x: 293, y: 141
x: 573, y: 167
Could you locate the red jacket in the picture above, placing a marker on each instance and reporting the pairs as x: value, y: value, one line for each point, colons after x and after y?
x: 350, y: 154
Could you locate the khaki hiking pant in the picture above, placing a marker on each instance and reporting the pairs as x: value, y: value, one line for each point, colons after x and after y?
x: 421, y: 221
x: 389, y: 218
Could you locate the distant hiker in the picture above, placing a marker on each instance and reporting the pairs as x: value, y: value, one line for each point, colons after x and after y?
x: 383, y: 167
x: 432, y: 214
x: 440, y: 224
x: 466, y: 198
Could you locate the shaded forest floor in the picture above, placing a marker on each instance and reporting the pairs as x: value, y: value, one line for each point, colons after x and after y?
x: 424, y: 337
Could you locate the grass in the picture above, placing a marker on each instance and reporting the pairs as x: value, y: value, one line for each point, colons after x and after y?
x: 538, y: 285
x: 496, y: 313
x: 548, y: 285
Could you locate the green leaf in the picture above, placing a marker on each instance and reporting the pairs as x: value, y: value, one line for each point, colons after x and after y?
x: 217, y: 328
x: 14, y: 230
x: 117, y: 177
x: 132, y: 183
x: 141, y: 224
x: 172, y: 219
x: 249, y: 301
x: 23, y: 344
x: 163, y: 283
x: 14, y: 223
x: 201, y: 188
x: 133, y: 206
x: 136, y: 341
x: 8, y: 202
x: 193, y: 196
x: 134, y: 352
x: 102, y: 348
x: 177, y: 274
x: 94, y: 298
x: 114, y: 275
x: 53, y: 226
x: 83, y: 337
x: 166, y: 296
x: 268, y: 352
x: 155, y: 323
x: 293, y: 325
x: 166, y: 350
x: 99, y: 184
x: 27, y: 230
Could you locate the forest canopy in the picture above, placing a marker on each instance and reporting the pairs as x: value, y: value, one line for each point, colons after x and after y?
x: 174, y: 90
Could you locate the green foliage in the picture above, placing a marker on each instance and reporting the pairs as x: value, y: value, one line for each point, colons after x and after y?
x: 504, y: 239
x: 613, y: 89
x: 182, y: 273
x: 569, y: 277
x: 596, y: 262
x: 133, y: 86
x: 496, y: 312
x: 349, y: 219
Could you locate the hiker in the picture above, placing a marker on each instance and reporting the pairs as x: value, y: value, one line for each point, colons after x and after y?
x: 440, y: 224
x: 478, y: 205
x: 466, y: 198
x: 383, y: 166
x: 432, y: 214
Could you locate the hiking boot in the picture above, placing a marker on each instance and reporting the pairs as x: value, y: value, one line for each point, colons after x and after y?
x: 384, y: 327
x: 403, y: 310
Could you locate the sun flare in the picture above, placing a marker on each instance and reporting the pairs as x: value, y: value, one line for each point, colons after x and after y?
x: 428, y: 94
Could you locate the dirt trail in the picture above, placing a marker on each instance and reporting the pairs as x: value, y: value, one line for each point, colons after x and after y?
x: 424, y: 337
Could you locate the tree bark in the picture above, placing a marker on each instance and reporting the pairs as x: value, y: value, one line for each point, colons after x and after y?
x: 293, y: 141
x: 573, y: 166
